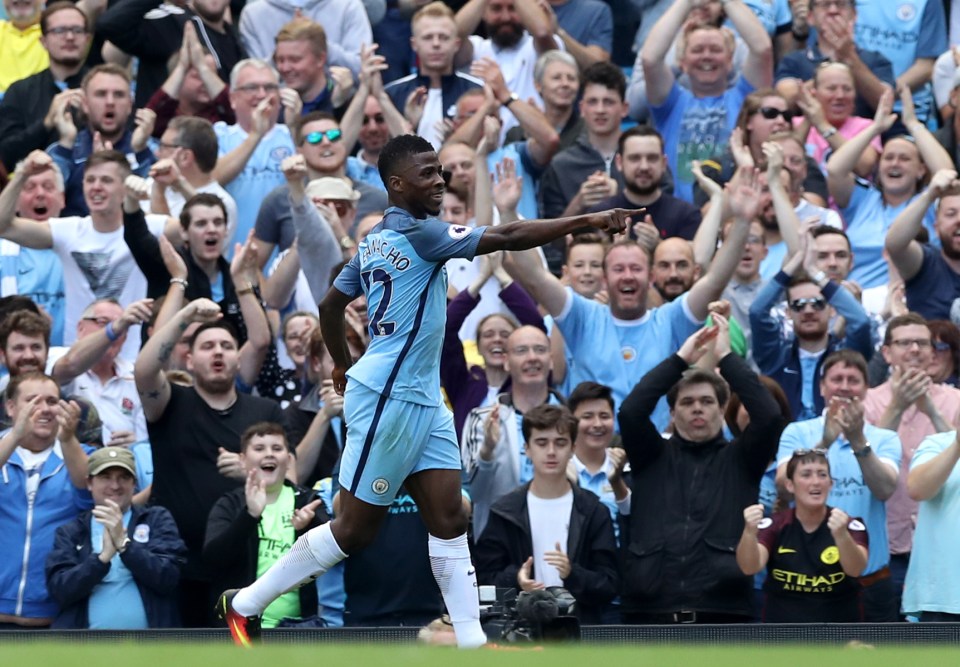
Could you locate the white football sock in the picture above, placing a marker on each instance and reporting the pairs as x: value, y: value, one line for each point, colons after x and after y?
x: 312, y: 555
x: 457, y: 579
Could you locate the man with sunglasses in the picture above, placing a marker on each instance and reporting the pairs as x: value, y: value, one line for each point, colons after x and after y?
x: 832, y: 23
x: 864, y: 463
x: 793, y: 359
x: 916, y: 407
x: 319, y: 140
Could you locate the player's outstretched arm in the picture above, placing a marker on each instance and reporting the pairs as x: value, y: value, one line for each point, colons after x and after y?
x: 335, y: 336
x: 527, y: 234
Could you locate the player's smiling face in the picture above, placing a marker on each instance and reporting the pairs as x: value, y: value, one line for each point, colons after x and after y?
x: 269, y: 456
x: 422, y: 186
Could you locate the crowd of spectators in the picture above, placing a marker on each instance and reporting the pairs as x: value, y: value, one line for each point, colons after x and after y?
x: 744, y: 407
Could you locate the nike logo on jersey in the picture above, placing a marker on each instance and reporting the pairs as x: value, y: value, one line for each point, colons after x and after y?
x: 785, y: 550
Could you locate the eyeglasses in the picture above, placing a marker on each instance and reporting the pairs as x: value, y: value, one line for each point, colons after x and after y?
x: 940, y: 346
x: 60, y: 31
x: 254, y: 87
x: 99, y: 321
x: 163, y: 144
x: 772, y: 112
x: 753, y: 239
x: 797, y: 305
x: 376, y: 118
x: 316, y: 137
x: 907, y: 343
x: 537, y: 349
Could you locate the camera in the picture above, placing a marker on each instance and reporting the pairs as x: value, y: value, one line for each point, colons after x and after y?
x: 549, y: 614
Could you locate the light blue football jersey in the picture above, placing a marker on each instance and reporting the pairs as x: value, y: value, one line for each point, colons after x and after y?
x: 400, y: 269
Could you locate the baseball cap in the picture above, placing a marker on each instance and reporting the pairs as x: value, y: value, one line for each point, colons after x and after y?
x: 111, y: 457
x: 329, y: 187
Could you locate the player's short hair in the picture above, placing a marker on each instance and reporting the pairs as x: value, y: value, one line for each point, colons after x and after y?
x: 201, y: 199
x: 698, y: 376
x: 109, y: 157
x: 88, y: 311
x: 216, y: 324
x: 261, y: 429
x: 306, y: 30
x: 589, y: 391
x: 639, y: 131
x: 549, y: 417
x: 845, y: 357
x: 605, y: 74
x: 826, y: 230
x: 198, y: 136
x: 903, y: 321
x: 26, y: 323
x: 398, y: 151
x: 13, y: 388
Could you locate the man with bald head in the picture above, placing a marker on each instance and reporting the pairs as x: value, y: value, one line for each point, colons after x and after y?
x: 493, y: 443
x: 674, y: 270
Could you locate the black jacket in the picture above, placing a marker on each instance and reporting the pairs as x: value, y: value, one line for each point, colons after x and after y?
x: 153, y: 31
x: 154, y: 557
x: 232, y: 542
x: 506, y: 544
x: 24, y: 106
x: 688, y: 498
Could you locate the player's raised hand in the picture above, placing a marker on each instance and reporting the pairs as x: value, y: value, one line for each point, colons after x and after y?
x: 698, y: 344
x: 145, y: 120
x: 203, y: 310
x: 255, y: 493
x: 339, y: 376
x: 615, y: 220
x: 172, y: 260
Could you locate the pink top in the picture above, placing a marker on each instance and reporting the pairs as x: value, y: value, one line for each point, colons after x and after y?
x: 818, y: 147
x: 914, y: 427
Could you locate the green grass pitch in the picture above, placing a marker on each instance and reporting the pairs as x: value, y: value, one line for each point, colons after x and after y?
x: 50, y: 654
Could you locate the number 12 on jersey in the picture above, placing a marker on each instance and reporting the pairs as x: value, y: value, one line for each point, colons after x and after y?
x: 377, y: 326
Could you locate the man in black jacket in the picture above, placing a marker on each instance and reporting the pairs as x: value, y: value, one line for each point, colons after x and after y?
x: 153, y: 31
x: 30, y: 106
x: 550, y: 532
x: 689, y: 489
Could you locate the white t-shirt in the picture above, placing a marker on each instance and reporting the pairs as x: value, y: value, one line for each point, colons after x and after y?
x: 33, y: 462
x: 432, y: 116
x: 549, y: 525
x: 517, y: 65
x: 98, y: 265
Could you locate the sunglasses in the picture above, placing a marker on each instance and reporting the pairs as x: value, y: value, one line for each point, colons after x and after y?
x: 941, y: 347
x: 772, y: 112
x: 316, y: 137
x: 816, y: 451
x: 797, y: 305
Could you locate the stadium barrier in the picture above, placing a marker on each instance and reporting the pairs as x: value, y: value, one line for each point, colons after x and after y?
x: 812, y: 633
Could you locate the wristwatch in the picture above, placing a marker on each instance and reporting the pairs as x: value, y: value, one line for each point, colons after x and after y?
x: 510, y: 100
x: 123, y: 545
x: 865, y: 452
x: 346, y: 242
x: 829, y: 132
